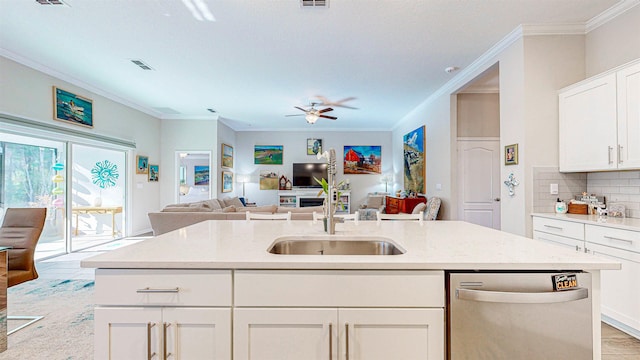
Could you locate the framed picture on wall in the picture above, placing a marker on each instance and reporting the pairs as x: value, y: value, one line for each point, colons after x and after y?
x: 314, y: 146
x: 414, y: 146
x: 268, y: 154
x: 72, y: 108
x: 227, y: 181
x: 154, y: 172
x: 201, y: 175
x: 511, y: 154
x: 142, y: 164
x: 362, y: 159
x: 227, y: 156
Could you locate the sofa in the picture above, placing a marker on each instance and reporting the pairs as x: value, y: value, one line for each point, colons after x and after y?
x: 176, y: 216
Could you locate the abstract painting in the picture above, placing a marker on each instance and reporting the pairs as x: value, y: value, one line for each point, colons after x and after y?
x: 72, y: 108
x: 201, y: 175
x: 227, y: 181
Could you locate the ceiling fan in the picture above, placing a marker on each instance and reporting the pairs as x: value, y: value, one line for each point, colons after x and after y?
x: 312, y: 114
x: 340, y: 103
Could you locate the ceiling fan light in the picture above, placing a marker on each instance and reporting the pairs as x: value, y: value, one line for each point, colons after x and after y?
x: 311, y: 118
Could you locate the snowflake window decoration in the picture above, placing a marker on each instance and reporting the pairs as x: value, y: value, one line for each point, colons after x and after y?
x: 105, y: 174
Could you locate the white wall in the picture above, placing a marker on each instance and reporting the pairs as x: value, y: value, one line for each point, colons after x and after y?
x: 295, y: 151
x: 27, y: 93
x: 614, y: 43
x: 184, y: 135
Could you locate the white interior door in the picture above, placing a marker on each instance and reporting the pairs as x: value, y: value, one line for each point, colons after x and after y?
x: 479, y: 181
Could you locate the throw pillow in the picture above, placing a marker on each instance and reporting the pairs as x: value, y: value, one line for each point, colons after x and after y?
x: 235, y: 201
x: 213, y: 204
x: 229, y: 209
x: 420, y: 207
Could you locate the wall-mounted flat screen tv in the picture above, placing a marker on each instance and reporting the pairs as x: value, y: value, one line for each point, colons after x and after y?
x: 303, y: 174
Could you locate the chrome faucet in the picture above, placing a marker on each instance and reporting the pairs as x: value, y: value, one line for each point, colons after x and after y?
x: 332, y: 192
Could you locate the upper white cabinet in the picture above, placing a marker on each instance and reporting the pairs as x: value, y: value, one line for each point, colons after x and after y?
x: 600, y: 122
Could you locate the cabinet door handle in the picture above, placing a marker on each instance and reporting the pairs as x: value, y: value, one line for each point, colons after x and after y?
x: 610, y: 148
x: 150, y: 355
x: 150, y: 290
x: 630, y: 242
x: 164, y: 340
x: 620, y: 154
x: 330, y: 341
x: 346, y: 328
x: 554, y: 227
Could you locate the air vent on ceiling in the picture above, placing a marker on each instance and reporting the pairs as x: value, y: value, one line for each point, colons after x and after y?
x: 50, y: 2
x: 314, y: 3
x: 142, y: 65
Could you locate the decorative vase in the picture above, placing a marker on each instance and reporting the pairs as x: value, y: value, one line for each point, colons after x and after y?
x: 97, y: 201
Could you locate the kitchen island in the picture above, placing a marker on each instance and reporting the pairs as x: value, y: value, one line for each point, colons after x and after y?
x: 189, y: 290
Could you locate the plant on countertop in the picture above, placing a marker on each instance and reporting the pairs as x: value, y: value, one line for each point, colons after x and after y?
x: 325, y: 189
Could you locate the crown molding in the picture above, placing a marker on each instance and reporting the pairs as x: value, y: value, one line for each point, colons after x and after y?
x: 553, y: 29
x: 610, y: 14
x: 79, y: 83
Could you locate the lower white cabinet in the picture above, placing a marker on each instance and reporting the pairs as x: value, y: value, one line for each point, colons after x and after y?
x: 559, y: 232
x: 620, y: 296
x: 162, y: 333
x: 338, y: 333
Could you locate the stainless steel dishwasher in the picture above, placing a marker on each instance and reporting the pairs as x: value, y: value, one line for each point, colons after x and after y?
x: 519, y: 316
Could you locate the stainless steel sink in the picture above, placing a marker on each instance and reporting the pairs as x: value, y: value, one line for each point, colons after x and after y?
x: 334, y: 245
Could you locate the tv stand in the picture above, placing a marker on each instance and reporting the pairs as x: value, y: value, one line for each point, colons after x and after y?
x: 309, y: 197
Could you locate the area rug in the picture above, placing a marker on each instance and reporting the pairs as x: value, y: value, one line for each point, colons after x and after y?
x: 65, y: 333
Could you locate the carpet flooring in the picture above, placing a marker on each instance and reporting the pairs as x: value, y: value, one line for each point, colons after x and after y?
x: 65, y: 333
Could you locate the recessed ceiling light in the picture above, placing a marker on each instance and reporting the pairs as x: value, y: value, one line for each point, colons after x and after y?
x: 451, y: 69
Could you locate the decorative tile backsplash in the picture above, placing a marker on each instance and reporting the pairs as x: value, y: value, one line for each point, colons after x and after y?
x: 617, y: 186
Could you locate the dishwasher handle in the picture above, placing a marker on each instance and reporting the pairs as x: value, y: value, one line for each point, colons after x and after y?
x: 522, y: 297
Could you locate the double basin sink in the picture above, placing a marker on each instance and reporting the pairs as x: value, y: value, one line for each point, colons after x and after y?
x: 334, y: 245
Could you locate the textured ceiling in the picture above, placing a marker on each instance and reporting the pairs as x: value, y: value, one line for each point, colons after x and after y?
x: 260, y: 58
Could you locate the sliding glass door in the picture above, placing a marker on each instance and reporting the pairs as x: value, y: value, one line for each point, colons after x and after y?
x: 32, y: 174
x: 97, y: 195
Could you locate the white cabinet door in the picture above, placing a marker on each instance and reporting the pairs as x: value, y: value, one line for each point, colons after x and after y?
x: 197, y: 333
x: 382, y: 334
x: 127, y: 333
x: 587, y: 132
x: 628, y: 83
x: 285, y: 334
x: 620, y: 294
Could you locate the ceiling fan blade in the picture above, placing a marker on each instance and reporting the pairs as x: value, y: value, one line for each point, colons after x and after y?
x: 328, y: 117
x: 296, y: 115
x: 299, y: 108
x: 327, y: 102
x: 325, y: 110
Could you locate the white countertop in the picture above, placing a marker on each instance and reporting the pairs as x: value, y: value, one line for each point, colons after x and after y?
x: 442, y: 245
x: 612, y: 222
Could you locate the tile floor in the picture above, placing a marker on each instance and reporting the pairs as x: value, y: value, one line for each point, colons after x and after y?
x: 616, y: 345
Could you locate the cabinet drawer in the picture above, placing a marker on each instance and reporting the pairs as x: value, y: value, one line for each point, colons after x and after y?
x: 576, y: 244
x: 163, y: 287
x: 402, y: 288
x: 617, y: 238
x: 559, y: 227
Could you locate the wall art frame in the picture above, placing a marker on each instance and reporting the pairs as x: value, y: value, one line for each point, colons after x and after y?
x: 414, y: 150
x: 72, y: 108
x: 142, y: 164
x: 227, y: 181
x: 511, y: 154
x: 154, y: 173
x: 227, y: 156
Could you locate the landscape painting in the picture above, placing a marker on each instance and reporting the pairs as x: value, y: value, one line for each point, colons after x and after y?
x: 72, y: 108
x: 362, y: 159
x: 268, y: 180
x: 227, y: 156
x: 227, y: 181
x: 268, y: 154
x: 414, y: 160
x: 201, y: 175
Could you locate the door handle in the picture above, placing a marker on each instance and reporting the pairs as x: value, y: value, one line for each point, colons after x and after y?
x: 346, y: 327
x: 609, y: 150
x: 164, y: 340
x: 522, y: 297
x: 620, y: 154
x: 330, y: 341
x: 496, y: 199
